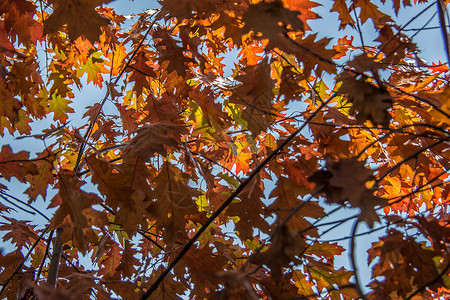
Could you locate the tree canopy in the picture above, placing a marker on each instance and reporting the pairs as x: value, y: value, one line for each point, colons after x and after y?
x: 227, y: 139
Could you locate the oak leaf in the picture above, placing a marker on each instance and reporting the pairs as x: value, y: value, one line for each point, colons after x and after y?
x: 124, y: 187
x: 273, y: 21
x: 340, y: 6
x: 112, y: 260
x: 73, y: 206
x: 286, y: 245
x: 20, y: 233
x: 345, y: 180
x: 16, y: 165
x: 39, y: 182
x: 141, y: 70
x: 313, y: 53
x: 369, y: 101
x: 172, y: 56
x: 249, y: 209
x: 371, y: 11
x: 128, y: 261
x: 80, y: 17
x: 80, y: 285
x: 255, y: 93
x: 155, y: 138
x: 173, y: 200
x: 59, y: 106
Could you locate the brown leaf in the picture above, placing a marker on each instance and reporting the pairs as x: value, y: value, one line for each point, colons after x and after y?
x: 16, y: 165
x: 249, y: 209
x: 73, y: 206
x: 80, y: 17
x: 111, y: 261
x: 125, y: 188
x: 40, y: 182
x: 128, y: 261
x: 154, y: 138
x: 286, y: 245
x: 256, y: 95
x: 141, y: 71
x: 80, y: 285
x: 273, y: 21
x: 173, y: 200
x: 172, y: 56
x: 340, y: 6
x: 48, y: 292
x: 20, y: 233
x: 345, y: 180
x: 370, y: 102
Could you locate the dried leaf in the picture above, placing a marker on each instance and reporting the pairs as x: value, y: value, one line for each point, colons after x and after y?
x: 80, y: 17
x: 370, y: 102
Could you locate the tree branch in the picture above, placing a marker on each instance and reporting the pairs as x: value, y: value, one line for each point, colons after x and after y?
x: 353, y: 262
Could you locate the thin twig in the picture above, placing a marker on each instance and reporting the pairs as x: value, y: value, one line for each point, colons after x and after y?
x: 26, y: 204
x: 41, y: 266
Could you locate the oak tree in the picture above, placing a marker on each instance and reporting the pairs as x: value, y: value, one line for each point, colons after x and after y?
x: 230, y: 138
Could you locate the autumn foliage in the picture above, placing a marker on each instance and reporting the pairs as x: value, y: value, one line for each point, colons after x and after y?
x: 226, y: 140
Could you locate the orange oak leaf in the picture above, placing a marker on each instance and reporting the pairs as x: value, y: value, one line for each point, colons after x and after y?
x: 80, y: 17
x: 141, y: 71
x: 112, y: 260
x: 306, y: 10
x: 343, y: 45
x: 74, y: 206
x: 438, y: 68
x: 371, y: 11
